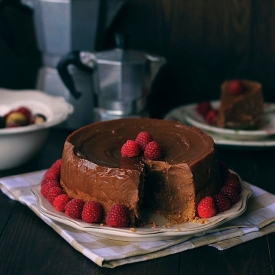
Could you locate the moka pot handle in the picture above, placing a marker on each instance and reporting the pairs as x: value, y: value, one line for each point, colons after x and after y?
x: 76, y: 58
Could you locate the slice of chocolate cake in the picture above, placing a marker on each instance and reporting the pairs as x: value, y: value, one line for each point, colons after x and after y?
x: 241, y: 105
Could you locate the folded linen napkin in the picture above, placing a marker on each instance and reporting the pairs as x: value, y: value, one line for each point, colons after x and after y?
x: 257, y: 221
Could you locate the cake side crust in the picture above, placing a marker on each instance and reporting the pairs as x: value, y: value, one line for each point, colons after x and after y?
x: 87, y: 181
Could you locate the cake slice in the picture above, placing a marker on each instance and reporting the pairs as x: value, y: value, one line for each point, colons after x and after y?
x: 241, y: 105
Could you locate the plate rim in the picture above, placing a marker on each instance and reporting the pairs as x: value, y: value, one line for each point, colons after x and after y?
x: 189, y: 110
x: 219, y: 140
x: 145, y: 234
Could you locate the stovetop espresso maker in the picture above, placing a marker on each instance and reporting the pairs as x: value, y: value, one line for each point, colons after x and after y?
x: 122, y: 79
x: 62, y: 26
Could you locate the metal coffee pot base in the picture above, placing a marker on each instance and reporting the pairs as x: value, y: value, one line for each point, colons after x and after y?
x: 103, y: 115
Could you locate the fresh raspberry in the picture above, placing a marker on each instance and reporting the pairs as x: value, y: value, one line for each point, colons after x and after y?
x: 53, y: 174
x: 210, y: 116
x: 207, y: 207
x: 235, y: 87
x: 230, y: 193
x: 233, y: 181
x: 222, y: 202
x: 45, y: 180
x: 53, y: 193
x: 118, y: 216
x: 45, y: 188
x: 60, y: 202
x: 57, y: 165
x: 142, y: 139
x: 73, y: 208
x: 130, y: 149
x: 92, y: 212
x: 153, y: 151
x: 203, y: 108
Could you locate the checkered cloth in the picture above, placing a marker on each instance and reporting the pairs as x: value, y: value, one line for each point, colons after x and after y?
x: 258, y: 220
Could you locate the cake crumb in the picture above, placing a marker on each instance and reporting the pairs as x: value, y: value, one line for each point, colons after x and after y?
x: 101, y: 224
x: 201, y: 221
x: 132, y: 229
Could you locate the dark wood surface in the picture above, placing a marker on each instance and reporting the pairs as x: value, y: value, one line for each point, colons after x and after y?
x: 29, y: 246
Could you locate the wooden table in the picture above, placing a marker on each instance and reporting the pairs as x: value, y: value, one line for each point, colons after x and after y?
x: 29, y: 246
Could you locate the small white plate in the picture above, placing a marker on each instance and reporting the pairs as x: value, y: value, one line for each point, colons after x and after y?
x: 192, y: 117
x: 146, y: 233
x: 261, y: 140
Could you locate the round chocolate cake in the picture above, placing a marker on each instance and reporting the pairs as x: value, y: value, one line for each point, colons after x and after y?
x: 94, y: 169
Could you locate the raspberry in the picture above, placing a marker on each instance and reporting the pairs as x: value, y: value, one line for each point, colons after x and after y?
x: 45, y: 180
x: 118, y: 216
x: 153, y: 151
x: 57, y: 165
x: 53, y: 174
x: 235, y: 87
x: 53, y: 193
x: 222, y: 202
x: 73, y: 208
x: 230, y: 193
x: 92, y: 212
x: 142, y: 139
x: 203, y: 108
x: 233, y: 181
x: 130, y: 149
x: 60, y: 202
x: 207, y: 208
x: 45, y: 188
x: 210, y: 116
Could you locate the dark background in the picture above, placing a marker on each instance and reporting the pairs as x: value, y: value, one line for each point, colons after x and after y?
x: 204, y: 42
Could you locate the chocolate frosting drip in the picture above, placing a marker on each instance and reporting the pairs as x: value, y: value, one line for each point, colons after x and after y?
x: 101, y: 142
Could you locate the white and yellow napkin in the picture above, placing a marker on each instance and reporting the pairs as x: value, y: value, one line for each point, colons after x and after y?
x: 257, y: 221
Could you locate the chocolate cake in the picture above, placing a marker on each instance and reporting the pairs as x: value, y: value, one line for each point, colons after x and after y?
x: 240, y: 107
x: 93, y: 168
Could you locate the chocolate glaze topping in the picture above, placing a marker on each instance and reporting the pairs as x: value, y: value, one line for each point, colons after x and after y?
x: 93, y: 168
x: 111, y: 135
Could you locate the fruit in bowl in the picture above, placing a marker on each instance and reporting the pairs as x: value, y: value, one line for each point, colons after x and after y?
x: 22, y: 131
x: 21, y: 116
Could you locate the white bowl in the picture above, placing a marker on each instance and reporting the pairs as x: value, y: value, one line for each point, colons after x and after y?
x: 19, y: 144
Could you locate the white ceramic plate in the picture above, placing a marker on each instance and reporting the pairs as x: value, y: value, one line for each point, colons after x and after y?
x: 147, y: 233
x: 263, y: 138
x: 192, y: 117
x: 55, y: 109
